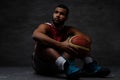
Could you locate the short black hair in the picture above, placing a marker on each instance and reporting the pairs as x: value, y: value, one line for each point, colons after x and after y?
x: 64, y: 7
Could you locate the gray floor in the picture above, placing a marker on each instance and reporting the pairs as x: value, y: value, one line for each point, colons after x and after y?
x: 27, y: 73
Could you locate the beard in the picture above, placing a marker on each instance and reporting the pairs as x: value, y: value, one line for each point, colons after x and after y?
x: 57, y: 22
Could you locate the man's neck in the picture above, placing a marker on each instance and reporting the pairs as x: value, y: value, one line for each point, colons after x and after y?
x: 58, y: 26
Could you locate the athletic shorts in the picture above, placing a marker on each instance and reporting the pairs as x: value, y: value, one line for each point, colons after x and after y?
x: 43, y: 67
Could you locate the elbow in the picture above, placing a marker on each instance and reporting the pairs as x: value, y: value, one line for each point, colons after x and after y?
x: 34, y: 37
x: 37, y: 36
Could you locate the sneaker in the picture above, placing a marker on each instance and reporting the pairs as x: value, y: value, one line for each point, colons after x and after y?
x: 72, y: 71
x: 94, y: 70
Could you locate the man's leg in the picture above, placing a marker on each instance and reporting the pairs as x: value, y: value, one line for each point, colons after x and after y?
x: 92, y: 69
x: 53, y: 56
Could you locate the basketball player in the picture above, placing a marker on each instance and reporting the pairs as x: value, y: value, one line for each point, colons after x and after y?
x: 52, y: 50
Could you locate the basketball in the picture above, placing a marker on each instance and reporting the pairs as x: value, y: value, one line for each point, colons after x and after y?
x: 79, y: 42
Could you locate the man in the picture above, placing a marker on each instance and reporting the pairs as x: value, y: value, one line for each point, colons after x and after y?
x: 52, y: 48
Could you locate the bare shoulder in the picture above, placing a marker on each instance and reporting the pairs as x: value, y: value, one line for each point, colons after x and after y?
x: 42, y: 27
x: 73, y: 29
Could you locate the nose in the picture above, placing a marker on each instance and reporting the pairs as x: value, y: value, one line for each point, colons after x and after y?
x: 58, y: 15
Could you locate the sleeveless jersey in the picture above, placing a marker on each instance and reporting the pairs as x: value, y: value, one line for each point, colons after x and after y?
x: 58, y: 35
x: 54, y: 34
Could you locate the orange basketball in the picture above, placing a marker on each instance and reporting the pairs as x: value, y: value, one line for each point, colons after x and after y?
x: 79, y: 42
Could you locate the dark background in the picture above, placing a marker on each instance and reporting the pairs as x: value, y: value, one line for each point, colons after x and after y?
x: 98, y: 18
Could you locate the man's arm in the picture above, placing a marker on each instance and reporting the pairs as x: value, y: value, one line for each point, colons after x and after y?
x: 40, y: 35
x: 74, y: 31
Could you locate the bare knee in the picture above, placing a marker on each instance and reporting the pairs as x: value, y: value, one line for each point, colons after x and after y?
x: 51, y: 54
x: 49, y: 50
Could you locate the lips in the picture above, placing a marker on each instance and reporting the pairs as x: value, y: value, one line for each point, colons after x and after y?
x: 57, y: 19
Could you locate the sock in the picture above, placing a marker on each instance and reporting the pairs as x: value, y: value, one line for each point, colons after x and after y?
x: 88, y: 60
x: 60, y: 61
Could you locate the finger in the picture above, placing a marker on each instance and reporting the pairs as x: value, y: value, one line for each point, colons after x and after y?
x: 73, y: 50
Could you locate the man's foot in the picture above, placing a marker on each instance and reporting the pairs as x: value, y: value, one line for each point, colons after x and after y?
x: 72, y: 71
x: 94, y: 70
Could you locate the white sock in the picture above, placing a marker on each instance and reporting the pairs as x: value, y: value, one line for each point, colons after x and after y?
x: 60, y: 62
x: 88, y: 60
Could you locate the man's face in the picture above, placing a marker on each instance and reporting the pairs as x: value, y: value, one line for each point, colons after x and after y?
x: 59, y: 15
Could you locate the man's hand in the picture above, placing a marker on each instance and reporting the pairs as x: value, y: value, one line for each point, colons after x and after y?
x: 67, y: 48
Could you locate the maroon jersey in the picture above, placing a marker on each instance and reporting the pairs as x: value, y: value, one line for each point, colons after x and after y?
x: 54, y: 33
x: 58, y: 35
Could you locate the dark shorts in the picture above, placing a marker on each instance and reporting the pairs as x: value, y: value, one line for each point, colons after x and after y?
x: 43, y: 67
